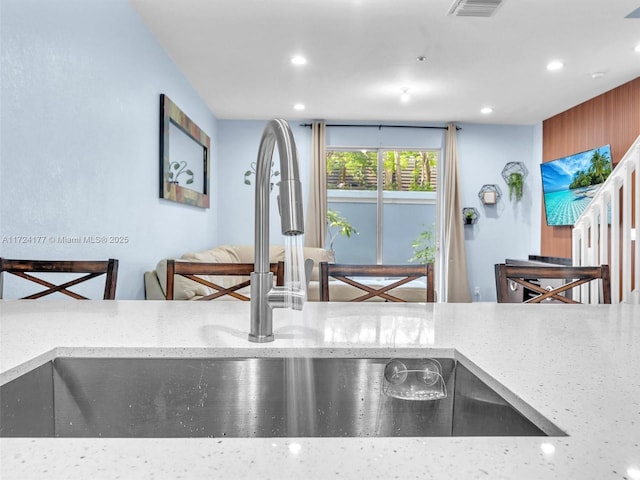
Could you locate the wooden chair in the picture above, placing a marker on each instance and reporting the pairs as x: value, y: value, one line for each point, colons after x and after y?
x: 404, y: 274
x: 190, y: 270
x: 509, y: 277
x: 25, y: 269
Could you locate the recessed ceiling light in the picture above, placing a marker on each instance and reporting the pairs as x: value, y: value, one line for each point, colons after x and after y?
x: 486, y: 110
x: 405, y: 97
x: 634, y: 14
x: 298, y: 60
x: 555, y: 65
x: 299, y: 106
x: 634, y: 473
x: 637, y: 48
x: 421, y: 58
x: 597, y: 74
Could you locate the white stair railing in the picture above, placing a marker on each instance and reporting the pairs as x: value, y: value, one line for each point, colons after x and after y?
x: 607, y: 232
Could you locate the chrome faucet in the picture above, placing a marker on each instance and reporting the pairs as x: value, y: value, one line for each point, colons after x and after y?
x: 264, y: 296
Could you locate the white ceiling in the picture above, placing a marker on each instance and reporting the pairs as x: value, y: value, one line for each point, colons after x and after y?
x: 361, y: 53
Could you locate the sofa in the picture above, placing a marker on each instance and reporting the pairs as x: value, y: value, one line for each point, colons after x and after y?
x: 185, y: 289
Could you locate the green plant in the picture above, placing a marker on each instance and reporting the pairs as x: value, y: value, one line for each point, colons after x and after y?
x: 424, y: 248
x: 176, y: 169
x: 468, y: 216
x: 353, y: 169
x: 515, y: 185
x: 338, y: 225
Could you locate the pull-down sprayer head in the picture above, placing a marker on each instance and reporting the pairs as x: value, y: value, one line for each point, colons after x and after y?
x: 290, y: 198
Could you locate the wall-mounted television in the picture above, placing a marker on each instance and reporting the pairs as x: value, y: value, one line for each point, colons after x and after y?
x: 569, y: 183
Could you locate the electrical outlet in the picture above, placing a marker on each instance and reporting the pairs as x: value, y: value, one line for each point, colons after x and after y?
x: 476, y: 294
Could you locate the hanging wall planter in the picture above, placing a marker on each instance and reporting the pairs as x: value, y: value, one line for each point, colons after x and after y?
x: 470, y: 215
x: 514, y: 174
x: 490, y: 194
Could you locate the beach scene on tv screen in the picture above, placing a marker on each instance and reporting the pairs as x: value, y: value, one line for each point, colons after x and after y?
x: 569, y: 183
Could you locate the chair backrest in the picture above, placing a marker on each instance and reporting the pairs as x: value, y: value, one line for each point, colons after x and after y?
x: 191, y: 270
x: 511, y: 277
x: 397, y: 276
x: 26, y: 268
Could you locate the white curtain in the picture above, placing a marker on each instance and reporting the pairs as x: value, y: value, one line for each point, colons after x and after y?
x: 316, y: 223
x: 454, y: 269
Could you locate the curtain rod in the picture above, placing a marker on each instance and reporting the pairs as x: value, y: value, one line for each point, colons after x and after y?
x: 380, y: 126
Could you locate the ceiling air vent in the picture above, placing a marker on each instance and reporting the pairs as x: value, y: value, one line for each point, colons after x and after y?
x: 474, y: 8
x: 634, y: 14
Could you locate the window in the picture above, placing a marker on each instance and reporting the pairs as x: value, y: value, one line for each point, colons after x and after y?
x: 387, y: 195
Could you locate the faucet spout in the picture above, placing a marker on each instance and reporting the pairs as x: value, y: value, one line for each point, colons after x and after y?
x: 263, y: 296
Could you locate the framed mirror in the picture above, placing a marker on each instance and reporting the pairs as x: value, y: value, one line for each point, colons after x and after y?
x: 184, y: 157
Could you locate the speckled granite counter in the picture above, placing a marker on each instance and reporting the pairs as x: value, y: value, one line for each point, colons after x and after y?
x: 577, y: 366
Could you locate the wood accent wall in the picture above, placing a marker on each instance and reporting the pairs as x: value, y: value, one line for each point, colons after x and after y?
x: 611, y: 118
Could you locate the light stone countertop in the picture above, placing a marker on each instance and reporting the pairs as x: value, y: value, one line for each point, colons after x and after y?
x: 578, y: 366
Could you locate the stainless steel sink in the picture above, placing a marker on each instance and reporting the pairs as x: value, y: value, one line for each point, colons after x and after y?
x: 245, y: 397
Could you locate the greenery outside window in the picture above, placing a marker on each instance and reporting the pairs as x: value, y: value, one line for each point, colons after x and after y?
x: 402, y: 170
x: 387, y: 195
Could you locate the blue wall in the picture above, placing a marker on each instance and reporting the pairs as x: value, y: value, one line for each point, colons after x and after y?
x: 81, y: 81
x: 509, y: 229
x: 238, y: 149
